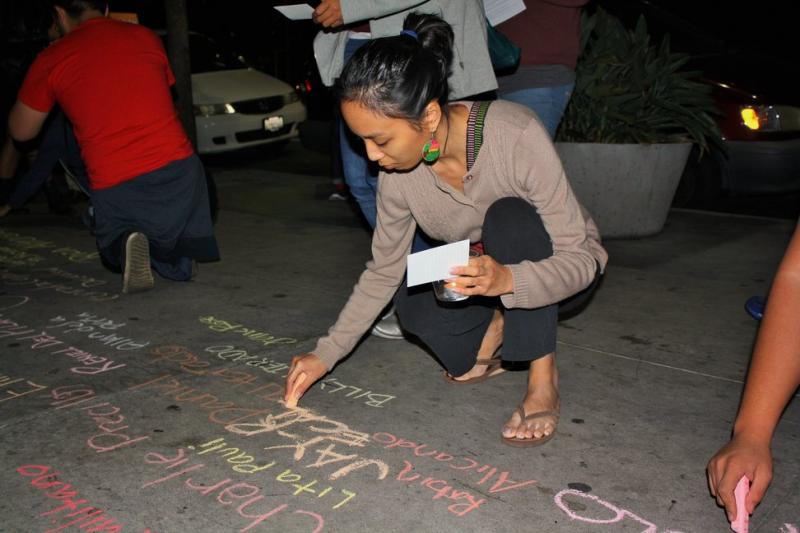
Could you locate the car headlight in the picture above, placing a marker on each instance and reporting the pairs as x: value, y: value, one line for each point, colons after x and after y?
x: 291, y: 97
x: 771, y: 118
x: 207, y: 110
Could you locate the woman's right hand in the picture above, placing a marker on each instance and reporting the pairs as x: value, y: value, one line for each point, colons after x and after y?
x: 740, y: 457
x: 308, y: 365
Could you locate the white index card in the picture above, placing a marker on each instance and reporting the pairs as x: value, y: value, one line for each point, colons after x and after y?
x: 435, y: 263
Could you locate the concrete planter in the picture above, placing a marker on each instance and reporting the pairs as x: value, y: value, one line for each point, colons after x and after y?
x: 627, y: 188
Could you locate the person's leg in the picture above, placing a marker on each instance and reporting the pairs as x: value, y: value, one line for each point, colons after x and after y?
x: 173, y: 253
x: 72, y: 160
x: 548, y: 103
x: 513, y: 232
x: 179, y: 269
x: 360, y: 178
x: 51, y: 147
x: 166, y: 217
x: 9, y: 159
x: 131, y: 252
x: 453, y: 332
x: 112, y: 255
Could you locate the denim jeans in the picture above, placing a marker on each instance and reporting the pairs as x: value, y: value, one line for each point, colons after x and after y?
x: 548, y: 103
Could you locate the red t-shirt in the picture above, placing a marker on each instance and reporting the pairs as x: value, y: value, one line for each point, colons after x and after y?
x: 112, y: 80
x: 548, y: 31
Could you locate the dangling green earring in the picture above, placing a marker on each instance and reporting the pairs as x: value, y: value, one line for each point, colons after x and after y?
x: 431, y: 150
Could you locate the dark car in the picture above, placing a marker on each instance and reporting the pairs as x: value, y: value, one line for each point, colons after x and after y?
x: 751, y: 72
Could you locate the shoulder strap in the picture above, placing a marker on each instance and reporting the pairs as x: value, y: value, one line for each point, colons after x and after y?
x: 475, y: 123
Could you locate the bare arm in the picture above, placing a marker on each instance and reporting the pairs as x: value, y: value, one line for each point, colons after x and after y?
x: 773, y: 377
x: 24, y: 122
x: 775, y: 371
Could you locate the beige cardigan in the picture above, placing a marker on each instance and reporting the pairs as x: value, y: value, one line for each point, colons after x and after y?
x: 517, y: 159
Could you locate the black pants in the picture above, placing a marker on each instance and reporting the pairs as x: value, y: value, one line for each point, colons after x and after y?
x: 512, y: 232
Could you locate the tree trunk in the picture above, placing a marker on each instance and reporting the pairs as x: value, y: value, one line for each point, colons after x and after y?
x: 178, y: 52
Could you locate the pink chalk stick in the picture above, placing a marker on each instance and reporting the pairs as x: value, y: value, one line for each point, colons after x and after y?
x: 741, y: 523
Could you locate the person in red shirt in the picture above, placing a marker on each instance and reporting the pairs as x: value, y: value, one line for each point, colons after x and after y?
x: 112, y: 80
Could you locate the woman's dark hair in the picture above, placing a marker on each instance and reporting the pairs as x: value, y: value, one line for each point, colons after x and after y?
x: 398, y: 76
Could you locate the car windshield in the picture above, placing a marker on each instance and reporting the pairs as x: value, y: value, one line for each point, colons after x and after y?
x: 207, y: 56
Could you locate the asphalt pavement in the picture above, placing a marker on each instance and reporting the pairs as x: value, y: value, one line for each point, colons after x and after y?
x: 162, y: 411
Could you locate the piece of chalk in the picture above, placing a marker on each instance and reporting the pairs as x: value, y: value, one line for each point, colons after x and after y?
x: 292, y: 401
x: 741, y: 523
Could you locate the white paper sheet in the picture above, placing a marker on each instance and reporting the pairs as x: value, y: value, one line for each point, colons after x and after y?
x: 498, y: 11
x: 435, y: 263
x: 296, y: 11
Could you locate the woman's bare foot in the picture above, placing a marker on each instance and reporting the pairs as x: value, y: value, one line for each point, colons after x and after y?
x: 542, y: 395
x: 492, y: 340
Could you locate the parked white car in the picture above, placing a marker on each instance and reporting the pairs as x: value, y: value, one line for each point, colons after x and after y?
x: 236, y: 106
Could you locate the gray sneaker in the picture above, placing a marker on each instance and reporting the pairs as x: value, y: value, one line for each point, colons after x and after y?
x: 388, y: 327
x: 137, y: 276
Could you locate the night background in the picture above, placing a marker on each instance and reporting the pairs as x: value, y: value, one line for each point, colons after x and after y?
x: 281, y: 47
x: 651, y: 371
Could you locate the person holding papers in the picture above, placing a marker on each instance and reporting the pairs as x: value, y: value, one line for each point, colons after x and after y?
x: 483, y: 171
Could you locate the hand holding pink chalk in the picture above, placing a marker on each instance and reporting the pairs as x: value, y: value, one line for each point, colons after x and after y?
x: 741, y: 523
x: 292, y: 401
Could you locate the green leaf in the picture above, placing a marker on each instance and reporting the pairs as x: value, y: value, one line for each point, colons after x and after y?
x: 629, y: 89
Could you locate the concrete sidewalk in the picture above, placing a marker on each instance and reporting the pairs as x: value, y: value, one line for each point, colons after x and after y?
x: 161, y: 411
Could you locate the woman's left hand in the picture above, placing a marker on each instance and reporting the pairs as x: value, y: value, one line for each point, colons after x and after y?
x: 484, y: 276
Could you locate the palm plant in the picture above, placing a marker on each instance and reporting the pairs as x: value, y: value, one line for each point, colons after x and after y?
x: 628, y: 90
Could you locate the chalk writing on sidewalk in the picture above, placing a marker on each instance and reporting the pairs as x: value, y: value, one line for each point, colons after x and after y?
x: 442, y: 489
x: 40, y: 340
x: 324, y: 431
x: 21, y: 387
x: 26, y: 242
x: 618, y: 514
x: 332, y: 385
x: 503, y: 482
x: 265, y: 364
x: 244, y: 463
x: 32, y: 283
x: 11, y: 257
x: 246, y: 497
x: 72, y: 510
x: 223, y: 326
x: 106, y: 417
x: 270, y: 366
x: 92, y: 364
x: 10, y: 301
x: 84, y: 280
x: 307, y: 434
x: 243, y: 382
x: 98, y: 329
